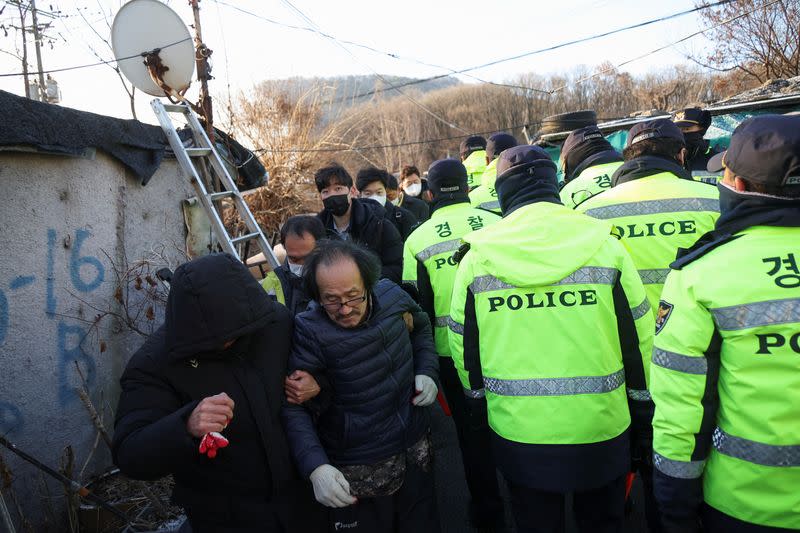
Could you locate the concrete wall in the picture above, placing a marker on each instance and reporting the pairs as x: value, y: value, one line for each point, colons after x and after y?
x: 68, y: 228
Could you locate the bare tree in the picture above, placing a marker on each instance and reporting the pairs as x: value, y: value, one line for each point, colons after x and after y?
x: 764, y: 44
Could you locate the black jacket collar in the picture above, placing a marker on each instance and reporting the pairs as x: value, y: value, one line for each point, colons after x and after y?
x: 740, y: 211
x: 647, y: 165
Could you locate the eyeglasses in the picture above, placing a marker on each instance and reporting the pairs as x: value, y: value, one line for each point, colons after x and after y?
x: 335, y: 306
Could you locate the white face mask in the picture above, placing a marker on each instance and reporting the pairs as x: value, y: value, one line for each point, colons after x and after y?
x: 413, y: 190
x: 380, y: 198
x: 396, y: 201
x: 297, y: 270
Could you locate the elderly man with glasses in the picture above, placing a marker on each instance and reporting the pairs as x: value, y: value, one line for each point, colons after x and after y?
x: 371, y: 444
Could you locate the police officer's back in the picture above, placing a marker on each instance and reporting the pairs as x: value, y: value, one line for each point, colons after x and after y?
x: 428, y: 263
x: 726, y: 364
x: 654, y: 204
x: 485, y: 195
x: 551, y: 324
x: 472, y: 152
x: 588, y: 161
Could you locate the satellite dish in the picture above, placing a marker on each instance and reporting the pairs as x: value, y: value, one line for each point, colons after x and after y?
x: 148, y: 27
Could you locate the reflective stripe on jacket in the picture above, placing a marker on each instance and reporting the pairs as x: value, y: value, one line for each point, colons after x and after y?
x: 551, y: 326
x: 428, y: 261
x: 726, y: 377
x: 654, y: 216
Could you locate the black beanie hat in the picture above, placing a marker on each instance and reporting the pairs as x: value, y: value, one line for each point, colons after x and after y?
x: 526, y: 159
x: 447, y: 176
x: 471, y: 144
x: 499, y: 142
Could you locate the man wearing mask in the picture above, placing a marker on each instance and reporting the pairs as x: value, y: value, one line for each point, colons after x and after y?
x: 349, y: 218
x: 299, y: 236
x: 694, y: 123
x: 485, y: 196
x: 372, y: 184
x: 411, y: 192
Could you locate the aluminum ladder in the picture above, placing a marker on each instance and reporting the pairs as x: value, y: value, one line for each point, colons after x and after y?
x: 203, y: 151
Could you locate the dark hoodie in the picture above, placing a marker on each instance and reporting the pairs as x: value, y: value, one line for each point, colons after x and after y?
x: 213, y: 299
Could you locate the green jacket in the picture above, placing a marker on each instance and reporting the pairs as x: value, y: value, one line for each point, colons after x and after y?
x: 485, y: 197
x: 475, y: 164
x: 550, y: 325
x: 588, y: 183
x: 726, y: 376
x: 654, y: 216
x: 428, y: 261
x: 490, y: 173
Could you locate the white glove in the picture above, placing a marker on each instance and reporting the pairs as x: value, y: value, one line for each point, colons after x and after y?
x: 426, y: 391
x: 331, y: 489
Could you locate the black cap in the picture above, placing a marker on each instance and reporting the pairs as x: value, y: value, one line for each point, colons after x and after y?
x: 692, y: 116
x: 471, y: 144
x: 499, y: 142
x: 526, y: 159
x: 583, y: 135
x: 447, y: 176
x: 763, y: 149
x: 660, y: 128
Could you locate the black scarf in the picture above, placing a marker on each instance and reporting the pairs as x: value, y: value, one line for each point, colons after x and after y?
x: 520, y: 190
x: 647, y: 165
x: 740, y: 211
x: 587, y: 154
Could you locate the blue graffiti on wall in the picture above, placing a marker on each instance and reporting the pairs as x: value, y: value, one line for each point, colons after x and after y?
x: 86, y: 275
x: 10, y: 418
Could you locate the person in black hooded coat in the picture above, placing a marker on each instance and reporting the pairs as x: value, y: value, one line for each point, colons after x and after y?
x: 222, y: 334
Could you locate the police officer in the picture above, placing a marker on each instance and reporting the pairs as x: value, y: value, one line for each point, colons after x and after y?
x: 549, y: 325
x: 473, y: 154
x: 694, y: 123
x: 485, y: 196
x: 654, y: 203
x: 726, y: 364
x: 587, y: 161
x: 428, y: 263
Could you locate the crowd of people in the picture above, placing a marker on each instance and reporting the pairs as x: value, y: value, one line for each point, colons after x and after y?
x: 639, y: 318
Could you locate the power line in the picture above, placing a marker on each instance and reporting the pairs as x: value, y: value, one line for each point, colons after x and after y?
x: 64, y: 69
x: 380, y: 76
x: 558, y: 89
x: 540, y: 51
x: 369, y: 48
x: 409, y: 143
x: 661, y: 48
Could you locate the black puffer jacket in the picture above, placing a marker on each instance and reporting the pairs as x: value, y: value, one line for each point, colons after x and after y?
x: 212, y: 300
x: 371, y: 369
x: 370, y: 228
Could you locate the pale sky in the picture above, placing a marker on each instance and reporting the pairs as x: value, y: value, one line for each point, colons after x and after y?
x: 451, y: 34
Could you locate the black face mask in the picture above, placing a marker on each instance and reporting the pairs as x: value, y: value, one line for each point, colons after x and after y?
x: 694, y: 143
x: 337, y: 205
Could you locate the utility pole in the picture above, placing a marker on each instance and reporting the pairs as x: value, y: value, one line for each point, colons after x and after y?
x: 23, y: 29
x: 201, y: 55
x: 37, y: 43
